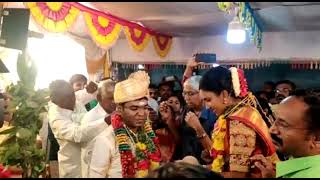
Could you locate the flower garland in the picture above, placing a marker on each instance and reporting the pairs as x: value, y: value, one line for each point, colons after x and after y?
x: 217, y: 151
x: 235, y: 81
x: 239, y: 82
x: 243, y: 83
x: 147, y: 155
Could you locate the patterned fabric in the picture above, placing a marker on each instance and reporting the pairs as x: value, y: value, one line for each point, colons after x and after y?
x: 242, y: 144
x: 239, y: 134
x: 135, y: 87
x: 166, y: 144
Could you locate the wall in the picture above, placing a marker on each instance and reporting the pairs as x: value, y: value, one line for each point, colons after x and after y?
x: 304, y: 44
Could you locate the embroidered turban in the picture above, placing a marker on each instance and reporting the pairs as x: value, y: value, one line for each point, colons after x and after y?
x: 134, y: 88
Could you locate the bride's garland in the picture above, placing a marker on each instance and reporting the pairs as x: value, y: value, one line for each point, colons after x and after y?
x: 147, y: 155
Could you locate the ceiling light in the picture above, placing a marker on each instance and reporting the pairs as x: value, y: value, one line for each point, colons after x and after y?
x: 236, y: 33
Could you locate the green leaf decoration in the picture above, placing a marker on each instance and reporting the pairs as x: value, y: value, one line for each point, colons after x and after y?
x: 28, y: 107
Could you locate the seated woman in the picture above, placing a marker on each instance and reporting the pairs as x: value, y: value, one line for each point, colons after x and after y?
x: 240, y: 131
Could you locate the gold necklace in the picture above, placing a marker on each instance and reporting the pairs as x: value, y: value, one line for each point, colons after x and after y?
x: 129, y: 131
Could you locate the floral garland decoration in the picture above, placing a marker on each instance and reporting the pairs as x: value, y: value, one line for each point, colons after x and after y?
x: 147, y: 149
x: 235, y: 81
x: 247, y: 18
x: 53, y: 16
x: 243, y: 83
x: 217, y: 151
x: 239, y: 82
x: 249, y: 21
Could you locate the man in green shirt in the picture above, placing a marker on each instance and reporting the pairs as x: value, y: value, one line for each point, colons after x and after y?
x: 296, y: 133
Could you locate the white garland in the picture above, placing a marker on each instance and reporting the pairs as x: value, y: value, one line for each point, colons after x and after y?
x: 235, y: 81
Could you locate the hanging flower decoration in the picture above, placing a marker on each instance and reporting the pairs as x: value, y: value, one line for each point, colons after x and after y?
x: 137, y: 37
x: 249, y: 21
x: 53, y: 16
x: 247, y: 18
x: 162, y: 44
x: 103, y: 31
x: 104, y: 28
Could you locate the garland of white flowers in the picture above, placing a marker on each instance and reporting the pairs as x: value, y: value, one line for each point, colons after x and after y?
x: 235, y: 81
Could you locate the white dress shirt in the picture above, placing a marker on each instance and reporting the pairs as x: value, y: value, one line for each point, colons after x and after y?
x: 86, y: 148
x: 69, y: 131
x: 83, y: 97
x: 105, y: 156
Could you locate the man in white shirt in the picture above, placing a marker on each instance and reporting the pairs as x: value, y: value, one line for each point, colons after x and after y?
x: 103, y: 109
x: 129, y: 140
x: 65, y: 120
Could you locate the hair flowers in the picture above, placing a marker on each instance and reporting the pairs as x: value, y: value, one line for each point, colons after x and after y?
x: 239, y: 82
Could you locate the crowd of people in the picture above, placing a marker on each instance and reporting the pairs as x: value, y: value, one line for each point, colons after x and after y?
x: 208, y: 126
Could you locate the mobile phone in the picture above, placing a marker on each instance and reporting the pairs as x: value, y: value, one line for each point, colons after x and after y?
x: 206, y: 57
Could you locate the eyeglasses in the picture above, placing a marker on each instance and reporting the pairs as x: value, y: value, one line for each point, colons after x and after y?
x: 284, y: 126
x: 189, y: 93
x: 285, y: 90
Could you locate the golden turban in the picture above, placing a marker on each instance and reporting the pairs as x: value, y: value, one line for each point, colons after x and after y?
x: 135, y: 87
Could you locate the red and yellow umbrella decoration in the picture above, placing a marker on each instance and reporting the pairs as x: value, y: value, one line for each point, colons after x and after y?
x: 53, y: 16
x: 162, y: 44
x: 103, y: 31
x: 138, y: 38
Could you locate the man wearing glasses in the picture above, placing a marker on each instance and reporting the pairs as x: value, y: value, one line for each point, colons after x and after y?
x: 295, y: 133
x: 190, y: 144
x: 284, y: 89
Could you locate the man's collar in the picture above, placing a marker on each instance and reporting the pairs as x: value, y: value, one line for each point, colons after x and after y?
x: 59, y: 109
x: 297, y: 164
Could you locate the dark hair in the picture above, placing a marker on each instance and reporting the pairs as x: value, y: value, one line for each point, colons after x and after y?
x: 178, y: 94
x: 77, y: 77
x: 270, y: 83
x: 312, y: 113
x: 167, y: 83
x: 265, y: 105
x: 153, y: 86
x: 216, y: 80
x: 182, y: 170
x: 58, y: 88
x: 292, y: 84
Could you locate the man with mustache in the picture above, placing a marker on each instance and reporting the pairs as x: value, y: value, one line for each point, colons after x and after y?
x: 296, y: 133
x: 284, y: 89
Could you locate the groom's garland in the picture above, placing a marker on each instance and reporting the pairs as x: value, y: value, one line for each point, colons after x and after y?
x: 147, y: 155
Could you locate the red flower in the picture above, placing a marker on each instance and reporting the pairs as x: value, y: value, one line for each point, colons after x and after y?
x: 142, y: 165
x: 155, y: 156
x: 214, y: 153
x: 156, y: 140
x: 243, y: 83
